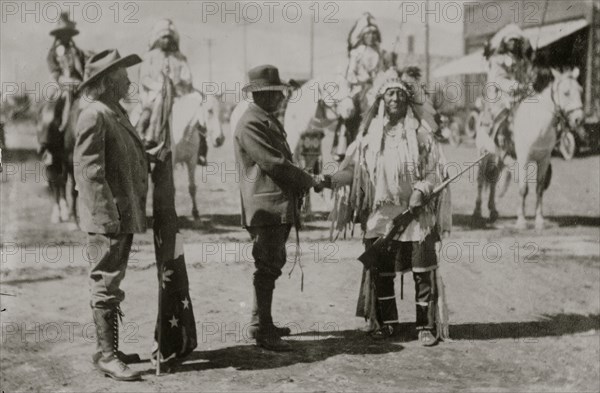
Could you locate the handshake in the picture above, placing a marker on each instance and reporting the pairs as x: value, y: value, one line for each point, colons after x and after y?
x: 321, y: 181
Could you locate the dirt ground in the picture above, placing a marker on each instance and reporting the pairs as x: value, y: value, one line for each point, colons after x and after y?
x: 524, y: 306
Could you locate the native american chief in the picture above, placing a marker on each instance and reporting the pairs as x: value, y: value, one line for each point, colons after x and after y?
x: 393, y: 165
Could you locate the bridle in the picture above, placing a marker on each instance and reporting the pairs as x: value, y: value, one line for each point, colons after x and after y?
x: 560, y: 112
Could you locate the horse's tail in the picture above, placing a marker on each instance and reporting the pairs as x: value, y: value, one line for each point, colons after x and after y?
x: 548, y: 177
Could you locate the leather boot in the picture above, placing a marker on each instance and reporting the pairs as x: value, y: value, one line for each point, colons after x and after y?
x: 426, y: 325
x: 127, y: 358
x: 266, y: 336
x: 107, y: 330
x: 254, y: 328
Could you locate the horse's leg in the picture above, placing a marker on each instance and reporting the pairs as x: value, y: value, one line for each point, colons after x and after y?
x: 54, y: 184
x: 493, y: 182
x: 74, y: 194
x: 523, y: 189
x: 63, y: 205
x: 191, y: 168
x: 480, y: 183
x: 543, y: 181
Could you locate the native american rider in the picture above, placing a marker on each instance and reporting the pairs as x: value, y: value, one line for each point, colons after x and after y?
x: 364, y: 54
x: 163, y: 59
x: 66, y: 63
x: 509, y: 56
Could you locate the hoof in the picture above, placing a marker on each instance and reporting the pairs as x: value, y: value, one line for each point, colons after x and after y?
x: 64, y: 211
x: 477, y: 219
x: 521, y: 223
x: 539, y: 224
x: 72, y: 226
x: 55, y: 216
x: 493, y: 216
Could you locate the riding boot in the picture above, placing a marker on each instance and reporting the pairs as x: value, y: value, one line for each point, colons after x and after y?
x: 65, y: 112
x: 425, y: 295
x: 109, y: 363
x: 266, y: 336
x: 254, y: 323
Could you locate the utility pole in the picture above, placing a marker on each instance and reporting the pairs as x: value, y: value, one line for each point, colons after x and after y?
x: 245, y: 44
x: 312, y: 48
x: 209, y: 42
x: 427, y: 59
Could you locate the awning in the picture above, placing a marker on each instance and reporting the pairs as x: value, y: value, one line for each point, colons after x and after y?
x: 551, y: 33
x: 475, y: 63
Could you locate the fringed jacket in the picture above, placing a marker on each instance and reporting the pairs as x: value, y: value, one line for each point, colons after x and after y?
x: 376, y: 195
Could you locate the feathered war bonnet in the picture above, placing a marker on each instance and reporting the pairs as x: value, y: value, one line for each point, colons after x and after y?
x: 497, y: 44
x: 366, y: 23
x: 378, y: 107
x: 163, y: 28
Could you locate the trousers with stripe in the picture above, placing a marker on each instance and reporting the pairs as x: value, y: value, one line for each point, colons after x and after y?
x: 377, y: 300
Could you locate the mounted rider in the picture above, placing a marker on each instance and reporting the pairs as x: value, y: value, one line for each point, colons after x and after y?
x: 364, y: 54
x: 364, y: 62
x: 509, y: 54
x: 164, y: 59
x: 66, y: 63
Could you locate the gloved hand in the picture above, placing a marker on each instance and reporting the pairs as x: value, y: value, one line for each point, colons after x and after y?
x: 416, y: 200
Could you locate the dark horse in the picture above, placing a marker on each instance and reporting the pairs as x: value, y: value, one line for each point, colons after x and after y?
x: 57, y: 147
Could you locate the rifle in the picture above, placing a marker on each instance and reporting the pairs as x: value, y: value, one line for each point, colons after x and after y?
x: 401, y: 221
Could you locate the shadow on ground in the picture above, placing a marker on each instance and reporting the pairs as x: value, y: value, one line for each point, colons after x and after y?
x: 310, y: 347
x: 309, y: 350
x: 467, y: 222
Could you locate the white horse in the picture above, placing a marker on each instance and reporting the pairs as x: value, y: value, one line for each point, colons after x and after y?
x: 192, y: 115
x: 195, y: 114
x: 334, y: 93
x: 535, y: 135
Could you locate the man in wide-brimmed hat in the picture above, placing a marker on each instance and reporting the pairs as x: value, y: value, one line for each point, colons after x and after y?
x: 66, y: 63
x: 271, y: 188
x: 111, y: 173
x: 393, y: 165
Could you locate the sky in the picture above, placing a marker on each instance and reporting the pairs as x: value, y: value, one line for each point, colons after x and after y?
x: 277, y: 33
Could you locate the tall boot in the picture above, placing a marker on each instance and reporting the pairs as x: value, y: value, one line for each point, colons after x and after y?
x: 254, y: 325
x: 266, y: 336
x: 125, y: 358
x: 107, y: 328
x: 424, y: 296
x: 426, y: 324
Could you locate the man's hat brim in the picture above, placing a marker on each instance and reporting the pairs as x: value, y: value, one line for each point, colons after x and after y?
x: 64, y: 30
x: 252, y: 88
x: 127, y: 61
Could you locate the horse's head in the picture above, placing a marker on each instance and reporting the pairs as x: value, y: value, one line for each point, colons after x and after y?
x: 209, y: 118
x: 566, y: 95
x: 336, y: 94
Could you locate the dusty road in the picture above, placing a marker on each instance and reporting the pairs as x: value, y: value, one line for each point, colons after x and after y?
x: 524, y: 306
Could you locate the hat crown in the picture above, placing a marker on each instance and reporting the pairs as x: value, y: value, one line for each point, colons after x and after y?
x: 64, y: 25
x: 101, y: 60
x: 264, y: 75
